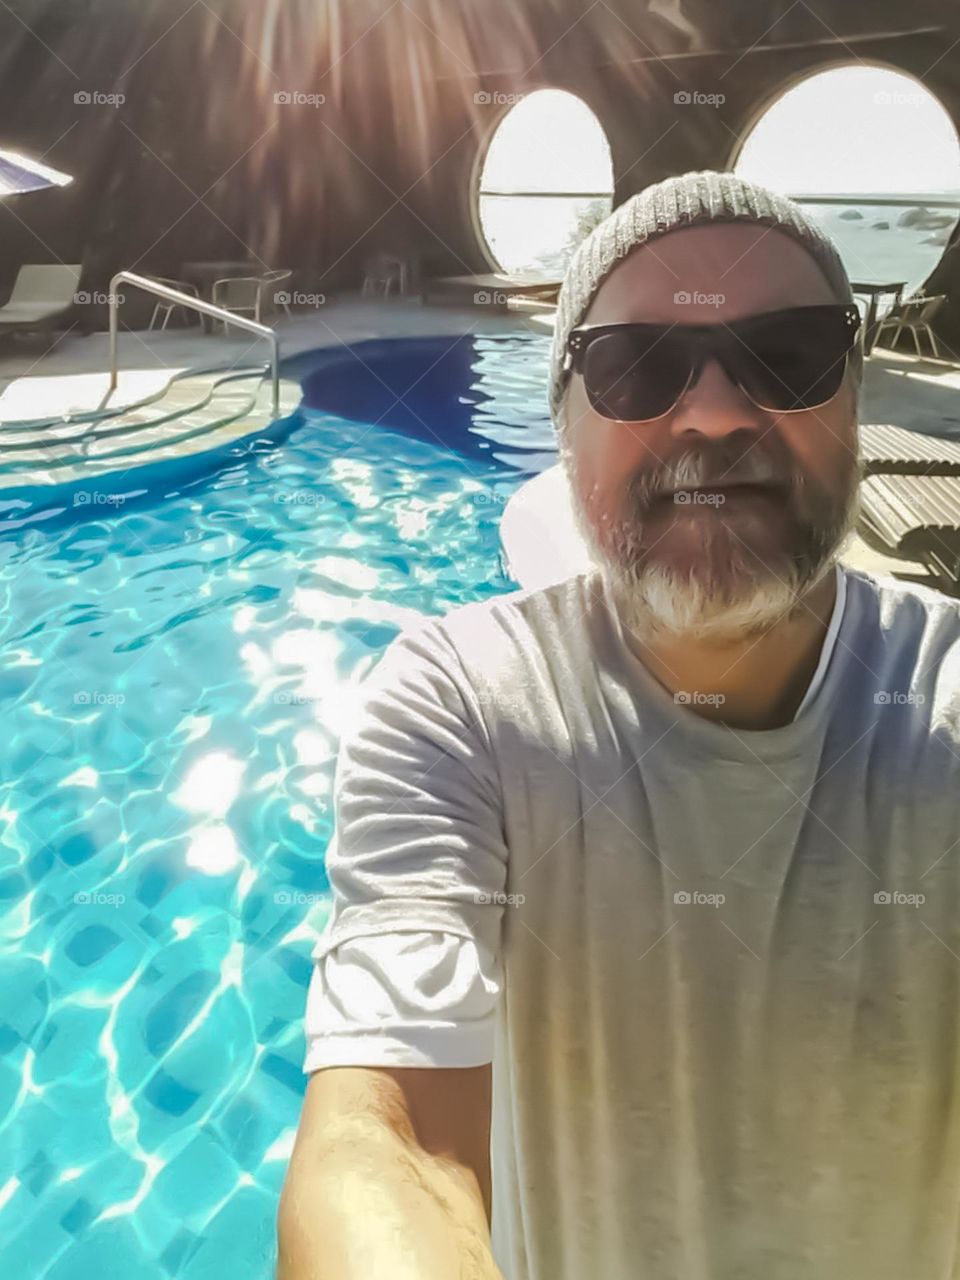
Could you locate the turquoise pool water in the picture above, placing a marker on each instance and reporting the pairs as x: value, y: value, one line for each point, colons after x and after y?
x: 176, y: 670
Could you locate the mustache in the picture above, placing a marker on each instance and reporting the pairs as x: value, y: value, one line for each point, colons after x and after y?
x: 700, y: 468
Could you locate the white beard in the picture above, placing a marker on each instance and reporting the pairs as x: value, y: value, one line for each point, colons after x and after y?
x: 657, y: 600
x: 661, y: 602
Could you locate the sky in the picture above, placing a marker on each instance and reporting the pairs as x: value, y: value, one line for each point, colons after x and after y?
x: 860, y: 128
x: 549, y: 141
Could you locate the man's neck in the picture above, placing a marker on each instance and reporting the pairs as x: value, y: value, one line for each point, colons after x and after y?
x: 754, y: 682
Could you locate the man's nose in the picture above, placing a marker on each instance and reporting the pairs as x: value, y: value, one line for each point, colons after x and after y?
x: 715, y: 406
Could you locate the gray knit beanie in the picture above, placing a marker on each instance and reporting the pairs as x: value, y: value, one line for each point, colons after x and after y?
x: 682, y: 201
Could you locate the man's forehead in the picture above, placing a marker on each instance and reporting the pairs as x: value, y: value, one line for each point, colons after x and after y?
x: 703, y: 274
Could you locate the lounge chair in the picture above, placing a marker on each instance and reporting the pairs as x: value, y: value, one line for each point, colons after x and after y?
x: 910, y: 499
x: 891, y: 450
x: 42, y: 292
x: 917, y: 518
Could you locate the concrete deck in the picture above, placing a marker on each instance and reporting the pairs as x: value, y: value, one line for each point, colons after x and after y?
x: 71, y: 376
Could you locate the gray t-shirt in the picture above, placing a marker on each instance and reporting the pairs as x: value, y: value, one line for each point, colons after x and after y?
x: 727, y: 1011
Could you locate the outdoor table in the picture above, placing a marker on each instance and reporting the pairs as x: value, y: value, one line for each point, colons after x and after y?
x: 205, y: 274
x: 874, y: 290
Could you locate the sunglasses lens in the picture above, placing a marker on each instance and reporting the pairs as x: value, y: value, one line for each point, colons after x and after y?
x: 796, y: 361
x: 632, y: 377
x: 787, y: 360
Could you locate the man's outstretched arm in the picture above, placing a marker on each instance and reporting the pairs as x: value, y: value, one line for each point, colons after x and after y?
x: 390, y: 1176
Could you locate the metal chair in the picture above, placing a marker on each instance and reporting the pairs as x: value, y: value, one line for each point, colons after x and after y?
x: 914, y: 314
x: 273, y: 294
x: 166, y: 309
x: 239, y: 294
x: 384, y: 271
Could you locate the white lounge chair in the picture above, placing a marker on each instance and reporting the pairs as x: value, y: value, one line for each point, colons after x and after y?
x: 40, y: 292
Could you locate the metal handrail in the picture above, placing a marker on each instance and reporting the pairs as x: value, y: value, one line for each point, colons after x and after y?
x: 206, y: 308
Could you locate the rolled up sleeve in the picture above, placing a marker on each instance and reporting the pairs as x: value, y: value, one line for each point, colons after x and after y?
x: 407, y: 970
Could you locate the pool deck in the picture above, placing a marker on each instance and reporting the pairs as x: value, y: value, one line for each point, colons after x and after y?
x: 71, y: 378
x: 169, y: 414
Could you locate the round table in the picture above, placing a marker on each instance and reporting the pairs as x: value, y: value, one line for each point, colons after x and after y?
x: 205, y: 274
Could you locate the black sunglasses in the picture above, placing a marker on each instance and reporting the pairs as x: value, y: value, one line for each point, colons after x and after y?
x: 783, y: 361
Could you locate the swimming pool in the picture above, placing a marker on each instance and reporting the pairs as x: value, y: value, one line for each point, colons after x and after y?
x: 178, y: 662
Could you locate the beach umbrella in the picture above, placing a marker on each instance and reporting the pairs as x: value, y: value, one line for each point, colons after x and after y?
x: 19, y: 173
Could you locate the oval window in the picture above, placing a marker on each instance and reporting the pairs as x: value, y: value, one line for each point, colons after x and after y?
x: 546, y: 181
x: 874, y: 156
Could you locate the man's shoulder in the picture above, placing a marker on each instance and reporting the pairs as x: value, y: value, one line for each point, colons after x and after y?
x: 513, y: 648
x: 514, y: 653
x: 905, y: 638
x: 518, y: 621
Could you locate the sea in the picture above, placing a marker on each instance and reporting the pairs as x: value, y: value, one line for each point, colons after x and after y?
x: 883, y: 237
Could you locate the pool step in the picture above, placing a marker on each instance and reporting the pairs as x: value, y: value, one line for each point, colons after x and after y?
x: 186, y: 395
x: 202, y: 379
x: 196, y: 414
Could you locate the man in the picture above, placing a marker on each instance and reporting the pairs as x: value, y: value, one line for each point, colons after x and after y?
x: 674, y: 845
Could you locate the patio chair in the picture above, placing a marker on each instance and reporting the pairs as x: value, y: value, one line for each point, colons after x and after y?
x: 239, y: 294
x: 41, y: 293
x: 382, y: 273
x: 166, y: 309
x: 275, y: 292
x: 914, y: 314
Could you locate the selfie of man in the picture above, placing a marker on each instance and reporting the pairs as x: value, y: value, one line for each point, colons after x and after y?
x: 654, y: 872
x: 480, y: 656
